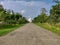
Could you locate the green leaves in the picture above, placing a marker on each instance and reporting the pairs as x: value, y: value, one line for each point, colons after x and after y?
x: 42, y: 18
x: 55, y: 13
x: 10, y: 17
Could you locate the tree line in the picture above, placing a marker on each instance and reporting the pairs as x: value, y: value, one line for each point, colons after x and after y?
x: 11, y: 17
x: 54, y: 16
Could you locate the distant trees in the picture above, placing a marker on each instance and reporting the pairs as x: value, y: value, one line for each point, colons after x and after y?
x: 15, y: 18
x: 1, y: 8
x: 54, y: 16
x: 1, y: 11
x: 10, y: 17
x: 42, y: 17
x: 55, y: 13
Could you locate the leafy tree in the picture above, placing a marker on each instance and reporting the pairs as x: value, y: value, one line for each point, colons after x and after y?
x: 42, y: 17
x: 55, y: 13
x: 1, y: 8
x: 10, y: 17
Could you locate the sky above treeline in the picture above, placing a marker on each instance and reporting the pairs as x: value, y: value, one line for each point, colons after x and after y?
x: 28, y: 8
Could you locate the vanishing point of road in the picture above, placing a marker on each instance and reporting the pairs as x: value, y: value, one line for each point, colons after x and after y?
x: 30, y: 34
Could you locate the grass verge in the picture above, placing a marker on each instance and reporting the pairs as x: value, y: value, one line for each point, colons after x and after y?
x: 49, y: 27
x: 5, y: 29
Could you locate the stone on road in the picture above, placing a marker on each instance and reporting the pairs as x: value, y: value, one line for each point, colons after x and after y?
x: 30, y: 34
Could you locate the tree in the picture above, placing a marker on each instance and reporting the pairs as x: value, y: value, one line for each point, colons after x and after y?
x: 1, y: 7
x: 1, y: 11
x: 42, y: 17
x: 10, y: 17
x: 56, y: 1
x: 55, y: 13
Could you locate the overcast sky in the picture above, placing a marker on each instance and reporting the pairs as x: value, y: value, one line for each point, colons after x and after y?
x: 28, y: 8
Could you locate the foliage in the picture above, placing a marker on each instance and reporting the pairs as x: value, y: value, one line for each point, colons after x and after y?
x: 49, y: 27
x: 42, y: 17
x: 53, y: 18
x: 55, y: 13
x: 52, y: 21
x: 10, y: 17
x: 6, y: 28
x: 9, y: 20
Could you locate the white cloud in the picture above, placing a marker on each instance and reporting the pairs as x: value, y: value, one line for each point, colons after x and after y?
x: 1, y: 2
x: 22, y: 11
x: 32, y: 3
x: 29, y: 3
x: 31, y: 8
x: 24, y: 3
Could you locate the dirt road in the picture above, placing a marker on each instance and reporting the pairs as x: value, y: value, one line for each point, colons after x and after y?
x: 30, y: 34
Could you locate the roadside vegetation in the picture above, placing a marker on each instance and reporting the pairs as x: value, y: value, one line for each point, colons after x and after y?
x: 49, y: 27
x: 10, y: 20
x: 51, y: 21
x: 5, y: 29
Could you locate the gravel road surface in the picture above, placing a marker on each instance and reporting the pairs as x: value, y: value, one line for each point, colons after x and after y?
x: 30, y: 34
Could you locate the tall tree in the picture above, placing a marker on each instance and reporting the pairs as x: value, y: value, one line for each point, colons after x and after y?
x: 1, y: 7
x: 55, y: 13
x: 42, y: 17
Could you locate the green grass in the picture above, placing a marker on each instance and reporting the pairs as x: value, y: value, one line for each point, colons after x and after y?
x: 49, y: 27
x: 5, y: 29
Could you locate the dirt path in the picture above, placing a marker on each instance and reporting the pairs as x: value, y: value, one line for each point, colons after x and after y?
x: 30, y: 34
